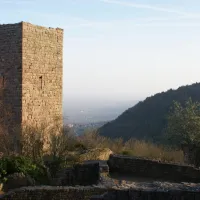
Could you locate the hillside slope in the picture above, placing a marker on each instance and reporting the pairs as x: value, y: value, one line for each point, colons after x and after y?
x: 147, y: 119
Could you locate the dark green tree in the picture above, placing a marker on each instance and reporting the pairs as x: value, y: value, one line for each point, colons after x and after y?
x: 183, y: 125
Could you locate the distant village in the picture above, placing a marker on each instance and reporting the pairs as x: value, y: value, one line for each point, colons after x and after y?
x: 79, y: 129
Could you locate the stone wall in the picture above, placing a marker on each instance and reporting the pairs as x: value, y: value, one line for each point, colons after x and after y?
x: 31, y: 67
x: 53, y: 193
x: 85, y: 174
x: 10, y: 75
x: 42, y: 69
x: 96, y: 193
x: 153, y: 169
x: 150, y: 195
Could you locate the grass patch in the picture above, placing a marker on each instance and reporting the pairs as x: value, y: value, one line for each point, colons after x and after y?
x: 133, y: 148
x: 153, y: 151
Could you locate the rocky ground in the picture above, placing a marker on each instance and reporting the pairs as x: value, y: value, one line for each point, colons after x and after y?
x: 149, y: 185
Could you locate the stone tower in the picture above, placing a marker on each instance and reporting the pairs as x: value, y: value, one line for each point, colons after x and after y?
x: 31, y: 64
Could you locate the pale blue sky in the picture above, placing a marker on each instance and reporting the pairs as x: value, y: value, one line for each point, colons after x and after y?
x: 119, y: 49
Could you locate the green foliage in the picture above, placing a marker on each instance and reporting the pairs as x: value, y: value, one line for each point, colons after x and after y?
x: 147, y: 119
x: 184, y: 123
x: 127, y: 153
x: 3, y: 174
x: 14, y: 164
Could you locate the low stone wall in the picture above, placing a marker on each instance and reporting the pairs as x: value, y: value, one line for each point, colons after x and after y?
x: 103, y: 166
x: 153, y: 169
x: 53, y: 193
x: 85, y: 174
x: 96, y: 193
x: 150, y: 195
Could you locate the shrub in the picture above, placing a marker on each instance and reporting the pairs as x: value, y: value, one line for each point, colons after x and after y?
x: 132, y: 147
x: 127, y: 153
x: 184, y: 123
x: 17, y: 164
x: 54, y: 164
x: 153, y: 151
x: 3, y: 174
x: 91, y: 139
x: 64, y: 149
x: 80, y: 146
x: 32, y: 142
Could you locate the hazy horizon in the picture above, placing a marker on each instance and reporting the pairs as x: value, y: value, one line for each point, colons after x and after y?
x: 122, y: 50
x: 94, y: 110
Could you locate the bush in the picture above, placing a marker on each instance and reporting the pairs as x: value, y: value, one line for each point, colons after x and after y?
x: 17, y: 164
x: 184, y: 124
x: 54, y: 164
x: 64, y: 149
x: 153, y: 151
x: 3, y: 174
x: 32, y: 142
x: 132, y: 147
x: 80, y: 146
x: 127, y: 153
x: 91, y: 139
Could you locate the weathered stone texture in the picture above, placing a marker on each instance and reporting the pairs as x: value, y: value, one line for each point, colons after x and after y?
x: 150, y: 195
x: 42, y: 74
x: 31, y: 73
x: 11, y: 73
x: 153, y: 169
x: 81, y: 174
x: 86, y: 193
x: 53, y: 193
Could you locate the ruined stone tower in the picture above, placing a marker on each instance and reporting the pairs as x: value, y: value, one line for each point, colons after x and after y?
x: 31, y: 62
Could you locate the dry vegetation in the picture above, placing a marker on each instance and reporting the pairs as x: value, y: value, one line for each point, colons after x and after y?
x: 132, y: 148
x: 61, y: 143
x: 152, y: 151
x: 32, y: 142
x: 34, y: 145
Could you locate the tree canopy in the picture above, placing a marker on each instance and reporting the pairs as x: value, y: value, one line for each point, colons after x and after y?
x: 147, y: 120
x: 183, y: 125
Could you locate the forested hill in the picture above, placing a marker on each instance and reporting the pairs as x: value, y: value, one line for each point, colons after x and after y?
x: 147, y: 119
